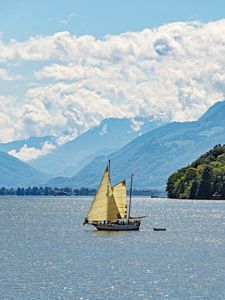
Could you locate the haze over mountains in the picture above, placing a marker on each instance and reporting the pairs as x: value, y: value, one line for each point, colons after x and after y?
x: 145, y: 147
x: 15, y: 173
x: 153, y: 156
x: 109, y: 136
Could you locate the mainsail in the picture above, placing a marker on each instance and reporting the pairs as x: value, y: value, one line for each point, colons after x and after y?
x: 104, y: 206
x: 120, y: 195
x: 108, y: 210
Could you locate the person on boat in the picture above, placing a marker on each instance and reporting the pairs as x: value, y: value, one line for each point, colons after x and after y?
x: 85, y: 221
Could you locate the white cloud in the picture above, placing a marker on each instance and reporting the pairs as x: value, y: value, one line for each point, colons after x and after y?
x: 4, y: 75
x: 104, y: 129
x: 64, y: 107
x: 136, y: 125
x: 10, y: 119
x: 28, y: 153
x: 175, y: 71
x: 68, y: 19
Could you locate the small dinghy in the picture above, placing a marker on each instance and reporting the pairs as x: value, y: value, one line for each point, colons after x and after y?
x: 159, y: 229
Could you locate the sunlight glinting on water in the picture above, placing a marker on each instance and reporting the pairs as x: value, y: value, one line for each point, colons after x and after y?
x: 46, y: 252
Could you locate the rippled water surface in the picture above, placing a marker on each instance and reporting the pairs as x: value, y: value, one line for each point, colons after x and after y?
x: 46, y: 253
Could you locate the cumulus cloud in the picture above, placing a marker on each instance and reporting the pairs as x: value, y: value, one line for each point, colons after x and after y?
x: 166, y: 71
x: 64, y: 108
x: 28, y: 153
x: 174, y: 72
x: 10, y: 118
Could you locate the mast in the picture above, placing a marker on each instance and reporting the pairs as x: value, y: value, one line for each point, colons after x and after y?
x: 131, y: 184
x: 109, y: 169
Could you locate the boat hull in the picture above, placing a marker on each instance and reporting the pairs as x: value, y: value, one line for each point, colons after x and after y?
x: 118, y: 227
x: 159, y: 229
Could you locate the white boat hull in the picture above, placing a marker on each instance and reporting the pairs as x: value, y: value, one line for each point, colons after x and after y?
x: 118, y: 227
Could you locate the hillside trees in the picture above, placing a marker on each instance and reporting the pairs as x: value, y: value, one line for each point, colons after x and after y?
x: 200, y: 180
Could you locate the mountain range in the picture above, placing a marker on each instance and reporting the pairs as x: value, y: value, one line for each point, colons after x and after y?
x: 15, y: 173
x: 146, y: 147
x: 153, y: 156
x: 111, y: 135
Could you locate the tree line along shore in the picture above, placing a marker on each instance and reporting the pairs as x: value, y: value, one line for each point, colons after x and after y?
x: 204, y: 178
x: 67, y: 191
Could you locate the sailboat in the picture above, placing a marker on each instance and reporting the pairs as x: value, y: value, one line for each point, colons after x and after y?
x: 108, y: 210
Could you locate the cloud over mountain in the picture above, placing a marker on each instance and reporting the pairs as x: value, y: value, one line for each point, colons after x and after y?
x: 174, y: 72
x: 27, y: 153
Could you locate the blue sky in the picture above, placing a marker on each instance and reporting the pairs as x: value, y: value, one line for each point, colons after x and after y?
x: 24, y: 18
x: 67, y: 65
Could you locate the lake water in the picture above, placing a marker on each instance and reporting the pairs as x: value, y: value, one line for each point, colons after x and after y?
x: 46, y: 252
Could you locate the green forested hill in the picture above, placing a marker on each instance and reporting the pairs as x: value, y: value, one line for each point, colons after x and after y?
x: 200, y: 180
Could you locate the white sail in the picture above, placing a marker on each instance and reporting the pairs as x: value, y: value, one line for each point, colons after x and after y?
x: 104, y: 206
x: 120, y: 195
